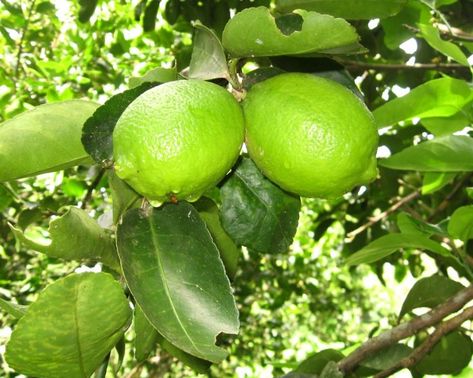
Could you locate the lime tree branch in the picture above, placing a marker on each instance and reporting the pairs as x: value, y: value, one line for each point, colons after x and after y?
x: 405, y: 330
x: 358, y: 65
x: 22, y: 38
x: 419, y: 353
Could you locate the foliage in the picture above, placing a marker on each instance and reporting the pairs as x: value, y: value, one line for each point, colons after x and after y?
x: 186, y: 269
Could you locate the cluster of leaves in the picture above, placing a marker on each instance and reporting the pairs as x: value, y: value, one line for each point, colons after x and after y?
x: 183, y: 251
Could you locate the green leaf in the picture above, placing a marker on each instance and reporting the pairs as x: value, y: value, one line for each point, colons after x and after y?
x: 197, y: 364
x: 437, y: 98
x: 440, y: 126
x: 254, y: 32
x: 13, y: 309
x: 44, y: 139
x: 208, y: 59
x: 453, y: 153
x: 429, y: 292
x: 156, y: 75
x: 123, y: 196
x: 409, y: 225
x: 388, y: 244
x: 387, y: 357
x: 146, y: 337
x: 174, y: 271
x: 75, y: 236
x: 98, y: 129
x: 316, y: 363
x: 434, y: 181
x: 331, y: 371
x: 87, y: 9
x: 72, y: 326
x: 150, y: 15
x: 257, y: 213
x: 229, y: 252
x: 349, y: 9
x: 450, y: 356
x: 5, y: 198
x: 432, y: 35
x: 460, y: 225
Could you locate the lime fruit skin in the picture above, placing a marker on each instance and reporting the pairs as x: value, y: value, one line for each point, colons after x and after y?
x: 177, y: 140
x: 310, y: 135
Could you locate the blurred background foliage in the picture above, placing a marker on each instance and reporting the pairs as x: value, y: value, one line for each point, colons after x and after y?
x: 293, y: 304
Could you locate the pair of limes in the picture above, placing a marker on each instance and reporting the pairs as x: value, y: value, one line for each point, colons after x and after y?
x: 309, y: 135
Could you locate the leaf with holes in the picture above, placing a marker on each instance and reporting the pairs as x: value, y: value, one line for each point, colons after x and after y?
x: 72, y: 326
x: 175, y: 274
x: 255, y: 32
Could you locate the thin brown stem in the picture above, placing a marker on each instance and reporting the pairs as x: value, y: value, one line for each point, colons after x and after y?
x: 91, y: 188
x: 384, y: 214
x: 405, y: 330
x: 357, y: 65
x: 420, y: 352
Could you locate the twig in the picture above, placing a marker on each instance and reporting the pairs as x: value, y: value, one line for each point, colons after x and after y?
x: 420, y: 352
x: 384, y: 214
x: 91, y: 188
x: 360, y: 65
x: 22, y: 38
x: 443, y: 205
x: 405, y: 330
x: 453, y: 33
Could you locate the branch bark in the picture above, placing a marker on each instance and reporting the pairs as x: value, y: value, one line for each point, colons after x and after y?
x: 362, y: 66
x: 420, y: 352
x: 402, y: 331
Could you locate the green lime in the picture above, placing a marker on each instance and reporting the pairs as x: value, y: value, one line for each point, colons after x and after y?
x: 177, y: 140
x: 310, y: 135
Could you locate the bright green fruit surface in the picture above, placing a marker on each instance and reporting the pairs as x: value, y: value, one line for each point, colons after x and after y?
x: 178, y: 139
x: 310, y: 135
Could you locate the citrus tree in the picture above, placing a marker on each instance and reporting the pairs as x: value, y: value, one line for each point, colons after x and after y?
x: 203, y: 168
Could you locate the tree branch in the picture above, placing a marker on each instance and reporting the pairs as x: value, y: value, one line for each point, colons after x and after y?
x: 384, y: 214
x: 22, y: 38
x: 405, y: 330
x: 91, y: 188
x: 420, y: 352
x: 362, y: 66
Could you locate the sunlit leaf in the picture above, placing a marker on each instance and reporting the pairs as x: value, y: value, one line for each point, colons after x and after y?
x: 437, y: 98
x: 388, y: 244
x: 254, y: 32
x: 72, y: 326
x: 461, y: 223
x: 349, y: 9
x: 44, y: 139
x: 453, y: 153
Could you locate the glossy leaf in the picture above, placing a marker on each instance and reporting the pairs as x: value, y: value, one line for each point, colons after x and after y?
x: 450, y: 356
x: 440, y: 126
x: 13, y: 309
x: 98, y: 129
x: 254, y: 32
x: 461, y: 223
x: 146, y: 337
x: 429, y: 292
x: 123, y: 196
x: 257, y: 213
x: 388, y: 244
x: 432, y: 35
x: 387, y: 357
x: 174, y: 271
x: 437, y: 98
x: 208, y: 59
x: 349, y: 9
x: 316, y: 363
x: 434, y: 181
x: 229, y: 252
x: 156, y: 75
x: 75, y: 236
x: 44, y: 139
x: 72, y: 326
x: 453, y: 153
